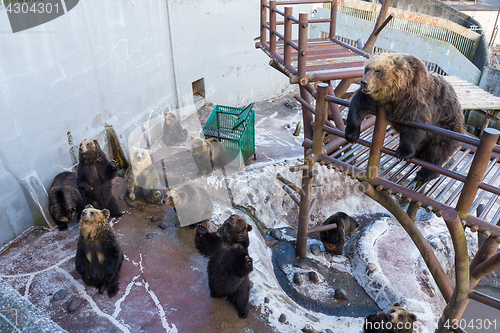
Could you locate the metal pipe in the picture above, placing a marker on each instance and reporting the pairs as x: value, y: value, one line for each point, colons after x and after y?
x: 477, y: 169
x: 390, y: 17
x: 333, y: 18
x: 288, y: 37
x: 263, y: 20
x: 272, y: 26
x: 320, y: 119
x: 322, y: 228
x: 289, y: 183
x: 485, y: 299
x: 376, y: 144
x: 335, y: 112
x: 352, y: 48
x: 304, y: 213
x: 349, y: 74
x: 301, y: 62
x: 291, y: 194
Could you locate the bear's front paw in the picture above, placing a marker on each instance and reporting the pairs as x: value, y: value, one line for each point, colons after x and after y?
x: 131, y: 196
x: 352, y: 134
x: 405, y: 152
x: 248, y: 261
x: 114, y: 164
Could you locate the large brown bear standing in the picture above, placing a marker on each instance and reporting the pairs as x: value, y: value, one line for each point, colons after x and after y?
x: 65, y: 201
x: 94, y: 177
x: 228, y: 261
x: 401, y: 84
x: 98, y: 255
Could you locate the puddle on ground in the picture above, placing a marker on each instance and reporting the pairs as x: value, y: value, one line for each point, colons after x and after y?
x: 480, y: 318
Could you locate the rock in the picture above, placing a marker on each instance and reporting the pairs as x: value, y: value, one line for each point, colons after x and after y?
x: 315, y: 249
x: 328, y: 331
x: 276, y: 234
x: 122, y: 196
x: 282, y: 318
x: 340, y: 294
x: 297, y: 278
x: 177, y: 224
x: 309, y: 328
x: 313, y: 276
x: 151, y: 235
x: 266, y: 300
x: 59, y: 295
x: 74, y: 304
x: 153, y: 219
x: 270, y: 241
x: 371, y: 268
x: 162, y: 226
x: 311, y: 317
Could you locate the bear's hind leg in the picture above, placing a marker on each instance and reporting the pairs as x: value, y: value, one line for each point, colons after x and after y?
x: 436, y: 150
x: 409, y: 139
x: 240, y: 299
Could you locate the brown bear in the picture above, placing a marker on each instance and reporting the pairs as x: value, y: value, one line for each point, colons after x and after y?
x: 142, y: 181
x: 228, y: 261
x: 207, y: 154
x: 192, y: 204
x: 94, y: 177
x: 172, y: 130
x: 98, y: 255
x: 402, y: 320
x: 377, y: 323
x: 334, y: 239
x: 401, y: 84
x: 65, y: 201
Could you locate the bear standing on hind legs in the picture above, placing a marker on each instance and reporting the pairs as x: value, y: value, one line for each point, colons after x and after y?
x: 401, y: 84
x: 228, y: 261
x: 98, y: 255
x: 94, y: 177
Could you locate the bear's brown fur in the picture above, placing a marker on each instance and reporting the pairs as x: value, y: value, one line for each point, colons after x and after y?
x: 377, y: 323
x: 401, y: 84
x: 65, y: 201
x: 334, y: 239
x: 192, y: 204
x: 207, y: 154
x: 402, y: 320
x: 94, y: 177
x: 228, y: 261
x: 98, y: 255
x: 172, y: 130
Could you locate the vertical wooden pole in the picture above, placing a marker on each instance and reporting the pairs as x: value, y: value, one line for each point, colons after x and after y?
x: 333, y: 19
x: 302, y: 49
x: 377, y: 144
x: 272, y: 25
x: 288, y: 37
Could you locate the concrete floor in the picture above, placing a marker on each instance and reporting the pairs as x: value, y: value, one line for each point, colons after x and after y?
x: 163, y: 283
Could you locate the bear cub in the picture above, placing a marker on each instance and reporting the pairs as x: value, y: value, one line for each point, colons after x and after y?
x: 65, y: 201
x: 94, y: 177
x: 401, y: 84
x: 172, y: 130
x: 334, y: 239
x: 228, y: 261
x: 207, y: 154
x: 192, y: 204
x: 142, y: 181
x: 98, y: 255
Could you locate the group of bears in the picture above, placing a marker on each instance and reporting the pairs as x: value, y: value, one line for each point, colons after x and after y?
x: 398, y: 83
x: 99, y: 256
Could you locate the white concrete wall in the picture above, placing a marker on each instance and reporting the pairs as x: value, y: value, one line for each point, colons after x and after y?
x: 487, y: 19
x: 119, y: 63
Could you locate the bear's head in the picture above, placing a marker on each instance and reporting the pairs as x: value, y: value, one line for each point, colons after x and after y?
x: 390, y: 76
x: 93, y: 221
x: 377, y: 323
x: 90, y: 151
x: 140, y: 159
x: 170, y: 119
x: 401, y: 319
x: 234, y: 231
x: 198, y: 146
x: 180, y: 196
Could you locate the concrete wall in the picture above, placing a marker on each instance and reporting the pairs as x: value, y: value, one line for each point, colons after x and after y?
x: 117, y: 63
x: 490, y: 80
x: 487, y: 18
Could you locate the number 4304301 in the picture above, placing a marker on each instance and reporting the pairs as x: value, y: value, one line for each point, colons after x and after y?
x: 473, y: 323
x: 34, y: 7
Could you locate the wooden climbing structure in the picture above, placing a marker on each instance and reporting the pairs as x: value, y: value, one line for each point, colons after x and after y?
x: 466, y: 193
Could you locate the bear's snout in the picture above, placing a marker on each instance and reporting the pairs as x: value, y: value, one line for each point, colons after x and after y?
x: 363, y: 83
x: 83, y: 215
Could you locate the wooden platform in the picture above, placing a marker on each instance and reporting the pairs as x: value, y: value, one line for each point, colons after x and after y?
x: 471, y: 97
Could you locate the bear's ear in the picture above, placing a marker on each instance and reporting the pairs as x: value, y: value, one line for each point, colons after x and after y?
x: 95, y: 141
x: 413, y: 317
x: 89, y: 206
x: 106, y: 213
x: 400, y: 63
x: 249, y: 227
x: 397, y: 304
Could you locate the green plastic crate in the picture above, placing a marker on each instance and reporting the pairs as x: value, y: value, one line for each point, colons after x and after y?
x: 235, y: 129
